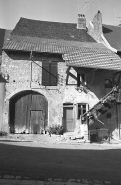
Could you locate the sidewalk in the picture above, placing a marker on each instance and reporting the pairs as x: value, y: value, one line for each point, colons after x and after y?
x: 56, y: 141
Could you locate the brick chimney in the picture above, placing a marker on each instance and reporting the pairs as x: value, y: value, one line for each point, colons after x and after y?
x: 81, y: 23
x: 95, y: 27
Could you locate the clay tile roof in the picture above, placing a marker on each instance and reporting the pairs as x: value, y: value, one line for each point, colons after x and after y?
x: 113, y: 35
x: 51, y: 30
x: 77, y: 46
x: 95, y: 58
x: 30, y: 34
x: 36, y: 44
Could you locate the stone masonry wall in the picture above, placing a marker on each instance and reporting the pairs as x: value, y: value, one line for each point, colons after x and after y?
x: 27, y: 75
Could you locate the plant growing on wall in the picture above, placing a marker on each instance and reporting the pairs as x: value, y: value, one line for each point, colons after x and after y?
x: 3, y: 133
x: 55, y: 129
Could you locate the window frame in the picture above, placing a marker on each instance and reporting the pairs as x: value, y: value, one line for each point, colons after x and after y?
x: 81, y: 109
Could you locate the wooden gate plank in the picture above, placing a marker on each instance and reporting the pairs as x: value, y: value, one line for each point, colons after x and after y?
x: 29, y: 97
x: 36, y: 122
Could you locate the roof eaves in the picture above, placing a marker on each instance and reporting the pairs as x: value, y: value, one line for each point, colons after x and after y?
x: 109, y: 61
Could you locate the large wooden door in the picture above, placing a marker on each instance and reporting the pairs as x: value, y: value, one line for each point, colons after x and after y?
x: 68, y: 122
x: 22, y: 104
x: 37, y: 122
x: 28, y: 112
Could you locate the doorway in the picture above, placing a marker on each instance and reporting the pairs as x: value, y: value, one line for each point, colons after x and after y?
x: 68, y: 118
x: 28, y: 112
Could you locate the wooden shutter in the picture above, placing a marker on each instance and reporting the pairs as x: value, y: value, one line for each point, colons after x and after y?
x: 45, y: 73
x: 53, y: 73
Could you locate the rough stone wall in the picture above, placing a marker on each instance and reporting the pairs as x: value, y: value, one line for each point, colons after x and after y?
x: 27, y: 75
x: 20, y: 79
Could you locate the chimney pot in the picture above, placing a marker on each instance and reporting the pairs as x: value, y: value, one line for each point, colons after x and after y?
x: 81, y: 24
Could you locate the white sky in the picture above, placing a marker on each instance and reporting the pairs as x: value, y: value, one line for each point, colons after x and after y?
x: 58, y: 10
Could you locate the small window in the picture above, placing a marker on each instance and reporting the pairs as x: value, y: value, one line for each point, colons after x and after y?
x: 81, y: 110
x: 108, y: 83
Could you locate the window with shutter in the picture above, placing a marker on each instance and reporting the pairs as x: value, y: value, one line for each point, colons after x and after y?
x: 49, y: 73
x: 45, y: 73
x: 53, y: 73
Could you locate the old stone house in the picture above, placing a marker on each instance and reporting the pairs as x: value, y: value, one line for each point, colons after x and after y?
x: 54, y: 73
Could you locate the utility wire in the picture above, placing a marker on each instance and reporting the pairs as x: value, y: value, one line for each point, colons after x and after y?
x: 93, y: 6
x: 74, y: 15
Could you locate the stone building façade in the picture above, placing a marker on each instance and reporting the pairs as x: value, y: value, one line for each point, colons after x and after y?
x: 44, y: 86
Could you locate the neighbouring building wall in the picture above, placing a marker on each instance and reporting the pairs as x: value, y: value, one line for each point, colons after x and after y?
x: 2, y: 94
x: 97, y: 83
x: 100, y: 82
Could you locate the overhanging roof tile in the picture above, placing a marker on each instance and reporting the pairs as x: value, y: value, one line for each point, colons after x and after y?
x: 47, y: 45
x: 97, y: 60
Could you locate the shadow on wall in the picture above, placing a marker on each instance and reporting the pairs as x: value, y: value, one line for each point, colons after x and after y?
x: 108, y: 122
x: 20, y: 55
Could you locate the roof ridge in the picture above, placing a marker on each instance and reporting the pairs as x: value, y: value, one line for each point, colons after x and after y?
x: 45, y: 21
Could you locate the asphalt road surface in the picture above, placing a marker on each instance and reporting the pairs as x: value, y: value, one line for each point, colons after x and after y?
x: 49, y: 159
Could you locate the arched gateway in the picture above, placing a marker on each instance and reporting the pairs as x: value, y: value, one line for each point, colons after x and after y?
x: 28, y: 112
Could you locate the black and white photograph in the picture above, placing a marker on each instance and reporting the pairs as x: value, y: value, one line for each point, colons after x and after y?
x: 60, y: 92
